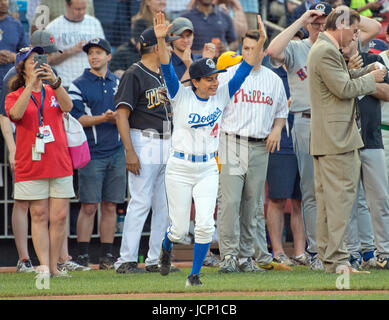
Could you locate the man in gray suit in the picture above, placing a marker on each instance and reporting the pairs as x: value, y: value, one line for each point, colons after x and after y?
x: 335, y: 139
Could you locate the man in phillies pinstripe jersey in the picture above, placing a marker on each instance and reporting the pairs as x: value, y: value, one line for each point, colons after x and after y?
x: 250, y: 129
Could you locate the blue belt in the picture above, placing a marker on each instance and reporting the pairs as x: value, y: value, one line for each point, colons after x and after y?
x: 193, y: 157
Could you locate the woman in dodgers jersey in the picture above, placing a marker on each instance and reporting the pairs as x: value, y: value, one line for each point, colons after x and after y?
x: 191, y: 170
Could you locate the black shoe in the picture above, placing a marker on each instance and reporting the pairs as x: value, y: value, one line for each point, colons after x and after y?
x: 107, y: 262
x: 129, y: 267
x: 83, y: 260
x: 165, y: 262
x: 155, y: 268
x: 193, y: 281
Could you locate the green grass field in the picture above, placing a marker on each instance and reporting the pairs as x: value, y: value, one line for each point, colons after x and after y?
x: 300, y: 280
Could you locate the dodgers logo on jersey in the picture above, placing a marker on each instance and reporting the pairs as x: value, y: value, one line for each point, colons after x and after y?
x: 203, y: 121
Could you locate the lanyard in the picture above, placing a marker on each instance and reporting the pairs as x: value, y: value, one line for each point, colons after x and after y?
x: 40, y: 110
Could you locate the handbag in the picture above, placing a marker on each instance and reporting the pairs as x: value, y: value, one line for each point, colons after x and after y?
x: 77, y: 141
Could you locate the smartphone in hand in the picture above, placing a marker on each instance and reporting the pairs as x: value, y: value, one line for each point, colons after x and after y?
x: 41, y: 59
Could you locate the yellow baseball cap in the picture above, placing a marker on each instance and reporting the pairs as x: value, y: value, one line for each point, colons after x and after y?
x: 228, y: 59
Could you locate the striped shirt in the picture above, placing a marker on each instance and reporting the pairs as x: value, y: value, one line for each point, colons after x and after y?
x: 253, y: 108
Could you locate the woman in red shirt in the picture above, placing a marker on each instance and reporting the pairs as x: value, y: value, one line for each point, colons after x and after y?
x: 43, y: 168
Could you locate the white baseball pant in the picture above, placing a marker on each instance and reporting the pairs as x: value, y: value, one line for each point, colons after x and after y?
x: 147, y: 191
x: 184, y: 180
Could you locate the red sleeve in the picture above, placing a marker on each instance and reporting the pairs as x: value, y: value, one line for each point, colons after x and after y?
x: 10, y: 100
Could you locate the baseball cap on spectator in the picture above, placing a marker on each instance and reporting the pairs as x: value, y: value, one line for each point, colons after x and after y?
x: 25, y: 52
x: 322, y: 6
x: 181, y: 24
x: 228, y: 59
x: 377, y: 46
x: 44, y: 39
x: 148, y: 38
x: 203, y: 68
x: 97, y: 42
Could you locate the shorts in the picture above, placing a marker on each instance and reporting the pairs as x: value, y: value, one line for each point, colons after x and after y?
x: 283, y: 179
x: 103, y: 179
x: 39, y: 189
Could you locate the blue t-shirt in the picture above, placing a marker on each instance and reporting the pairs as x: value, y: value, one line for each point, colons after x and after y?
x: 12, y: 38
x: 286, y: 143
x: 216, y: 25
x: 92, y: 96
x: 179, y: 66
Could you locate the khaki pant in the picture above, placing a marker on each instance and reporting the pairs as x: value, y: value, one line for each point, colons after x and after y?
x: 242, y: 181
x: 336, y: 182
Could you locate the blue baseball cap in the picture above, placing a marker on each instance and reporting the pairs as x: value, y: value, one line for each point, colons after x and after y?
x: 25, y: 52
x: 322, y: 6
x: 203, y: 68
x: 97, y: 42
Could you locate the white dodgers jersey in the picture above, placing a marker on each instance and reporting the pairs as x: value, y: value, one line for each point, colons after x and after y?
x: 196, y: 122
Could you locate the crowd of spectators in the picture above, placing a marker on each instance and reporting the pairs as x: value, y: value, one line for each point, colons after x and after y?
x: 203, y: 29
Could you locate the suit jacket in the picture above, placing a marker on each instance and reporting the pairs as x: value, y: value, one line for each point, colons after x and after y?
x: 333, y: 90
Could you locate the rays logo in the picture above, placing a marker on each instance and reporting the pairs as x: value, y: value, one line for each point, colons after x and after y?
x: 320, y: 7
x: 198, y: 121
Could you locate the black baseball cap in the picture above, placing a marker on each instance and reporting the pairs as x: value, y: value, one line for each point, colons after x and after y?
x: 203, y: 68
x: 322, y: 6
x: 148, y: 38
x: 97, y: 42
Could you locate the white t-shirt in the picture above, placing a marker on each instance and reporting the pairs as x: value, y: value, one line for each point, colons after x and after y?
x: 196, y: 123
x: 66, y: 35
x: 253, y: 108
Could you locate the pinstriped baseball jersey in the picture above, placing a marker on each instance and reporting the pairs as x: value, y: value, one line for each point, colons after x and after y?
x: 253, y: 108
x: 196, y: 123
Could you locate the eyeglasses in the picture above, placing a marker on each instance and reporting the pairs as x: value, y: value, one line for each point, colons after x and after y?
x: 317, y: 25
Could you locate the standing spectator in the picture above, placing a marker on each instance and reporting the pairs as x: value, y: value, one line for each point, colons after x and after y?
x: 115, y: 18
x: 385, y: 108
x: 12, y: 38
x: 211, y: 24
x: 42, y: 39
x: 182, y: 56
x: 143, y: 121
x: 54, y: 9
x: 175, y: 8
x: 373, y: 173
x: 251, y: 9
x: 283, y: 182
x: 71, y: 31
x: 43, y: 168
x: 144, y: 18
x: 123, y: 57
x: 365, y: 8
x: 103, y: 180
x: 251, y: 129
x: 335, y: 139
x: 234, y: 9
x: 294, y: 55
